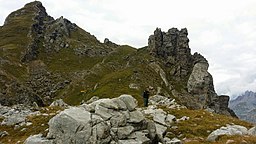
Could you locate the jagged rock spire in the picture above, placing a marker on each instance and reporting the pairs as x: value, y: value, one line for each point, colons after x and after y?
x: 171, y: 43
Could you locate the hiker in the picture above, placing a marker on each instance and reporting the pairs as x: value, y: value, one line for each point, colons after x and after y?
x: 145, y: 97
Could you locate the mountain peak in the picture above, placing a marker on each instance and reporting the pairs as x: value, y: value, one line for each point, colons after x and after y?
x: 245, y: 106
x: 34, y: 3
x: 30, y: 10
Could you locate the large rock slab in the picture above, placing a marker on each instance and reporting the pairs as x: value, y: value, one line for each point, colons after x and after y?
x: 72, y: 125
x: 130, y: 102
x: 14, y: 119
x: 136, y: 117
x: 123, y: 132
x: 37, y: 139
x: 228, y: 130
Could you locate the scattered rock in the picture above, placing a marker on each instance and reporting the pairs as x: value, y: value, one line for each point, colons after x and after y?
x: 228, y: 130
x: 14, y: 119
x: 165, y: 101
x: 109, y: 43
x: 93, y: 99
x: 230, y: 142
x: 29, y: 123
x: 252, y: 131
x: 173, y: 141
x: 184, y: 118
x: 3, y: 133
x: 134, y: 86
x: 59, y: 103
x: 15, y: 115
x: 37, y: 139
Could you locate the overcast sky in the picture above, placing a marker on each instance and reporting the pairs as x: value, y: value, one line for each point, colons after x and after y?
x: 224, y: 31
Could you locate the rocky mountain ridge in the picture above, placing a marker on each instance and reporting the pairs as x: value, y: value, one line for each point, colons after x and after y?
x: 49, y: 59
x: 245, y: 106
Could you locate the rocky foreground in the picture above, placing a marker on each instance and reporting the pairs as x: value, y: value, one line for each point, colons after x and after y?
x: 118, y: 120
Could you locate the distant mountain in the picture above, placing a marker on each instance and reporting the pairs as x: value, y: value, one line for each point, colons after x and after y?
x: 43, y: 59
x: 245, y: 106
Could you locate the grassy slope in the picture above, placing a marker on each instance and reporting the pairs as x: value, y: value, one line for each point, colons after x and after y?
x: 14, y: 40
x: 201, y: 123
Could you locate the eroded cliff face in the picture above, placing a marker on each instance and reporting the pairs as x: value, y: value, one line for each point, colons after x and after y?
x: 172, y: 47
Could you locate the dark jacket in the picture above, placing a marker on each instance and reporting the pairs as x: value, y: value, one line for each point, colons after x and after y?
x: 146, y: 94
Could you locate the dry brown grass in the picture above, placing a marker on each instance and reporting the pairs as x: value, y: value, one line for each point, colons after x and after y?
x: 201, y: 124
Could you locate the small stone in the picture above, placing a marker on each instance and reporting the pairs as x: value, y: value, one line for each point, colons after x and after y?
x: 51, y: 40
x: 29, y: 123
x: 16, y: 127
x: 230, y: 142
x: 3, y: 133
x: 59, y: 103
x: 252, y: 131
x: 243, y: 142
x: 174, y: 141
x: 45, y: 114
x: 23, y: 129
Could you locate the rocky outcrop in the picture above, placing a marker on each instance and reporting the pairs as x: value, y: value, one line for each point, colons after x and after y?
x: 56, y: 34
x: 173, y: 47
x: 3, y: 134
x: 228, y: 130
x: 16, y: 115
x: 200, y: 84
x: 164, y: 101
x: 161, y: 118
x: 231, y: 130
x: 110, y: 43
x: 221, y: 106
x: 117, y: 121
x: 102, y: 121
x: 36, y: 31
